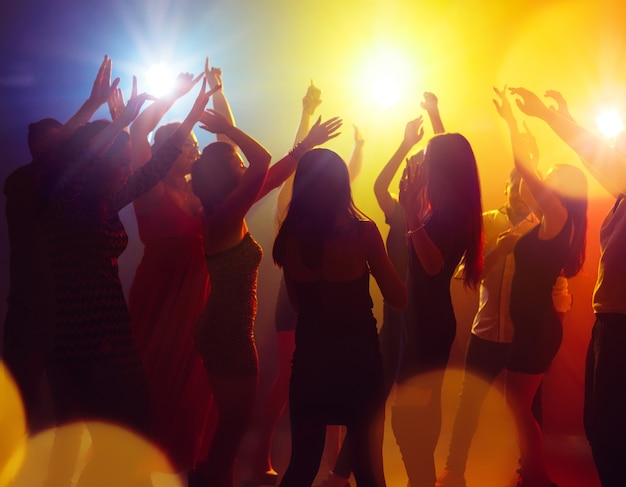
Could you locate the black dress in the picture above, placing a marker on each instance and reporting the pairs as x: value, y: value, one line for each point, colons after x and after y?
x: 95, y: 364
x: 537, y: 328
x: 337, y: 375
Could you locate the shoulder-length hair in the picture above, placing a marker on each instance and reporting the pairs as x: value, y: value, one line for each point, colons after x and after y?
x: 212, y: 177
x: 321, y: 193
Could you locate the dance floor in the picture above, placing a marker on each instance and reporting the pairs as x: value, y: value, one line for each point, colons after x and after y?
x: 492, y: 461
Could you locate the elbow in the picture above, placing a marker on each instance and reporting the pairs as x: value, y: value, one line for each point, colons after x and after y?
x: 432, y: 265
x: 380, y: 187
x: 265, y: 159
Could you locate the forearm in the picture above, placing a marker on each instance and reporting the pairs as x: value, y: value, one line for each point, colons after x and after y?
x: 381, y: 185
x: 356, y: 161
x: 103, y: 140
x: 145, y: 123
x: 221, y: 106
x: 82, y: 116
x: 605, y: 164
x: 148, y: 119
x: 436, y: 122
x: 279, y: 173
x: 303, y: 127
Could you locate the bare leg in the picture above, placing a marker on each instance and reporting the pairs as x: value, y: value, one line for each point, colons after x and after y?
x: 520, y: 391
x: 275, y: 403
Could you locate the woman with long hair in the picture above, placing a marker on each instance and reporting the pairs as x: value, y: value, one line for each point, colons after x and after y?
x: 443, y: 217
x: 555, y: 247
x: 171, y: 285
x: 224, y: 335
x: 327, y: 249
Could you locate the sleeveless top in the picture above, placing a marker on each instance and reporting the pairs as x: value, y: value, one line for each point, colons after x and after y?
x: 224, y: 335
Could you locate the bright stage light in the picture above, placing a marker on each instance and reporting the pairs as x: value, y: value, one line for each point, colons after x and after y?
x: 387, y: 76
x: 610, y: 123
x: 160, y: 79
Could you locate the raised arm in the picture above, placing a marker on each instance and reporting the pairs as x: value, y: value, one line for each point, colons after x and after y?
x: 101, y: 91
x: 310, y: 102
x: 606, y: 165
x: 220, y: 102
x: 147, y: 121
x: 320, y: 133
x: 413, y: 133
x: 554, y: 213
x: 412, y: 201
x: 239, y: 201
x: 148, y: 175
x: 100, y: 143
x: 356, y: 158
x: 431, y: 105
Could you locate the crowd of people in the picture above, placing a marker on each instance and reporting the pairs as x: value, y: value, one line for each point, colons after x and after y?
x: 177, y: 364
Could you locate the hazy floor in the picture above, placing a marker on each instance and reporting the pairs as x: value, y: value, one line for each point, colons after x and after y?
x: 492, y: 461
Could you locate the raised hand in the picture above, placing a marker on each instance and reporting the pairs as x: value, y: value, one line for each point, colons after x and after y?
x: 503, y: 107
x: 197, y: 110
x: 214, y: 122
x: 529, y: 103
x: 322, y: 132
x: 116, y: 103
x: 102, y: 88
x: 311, y: 99
x: 561, y: 104
x: 358, y: 136
x: 410, y: 186
x: 212, y: 75
x: 530, y: 142
x: 430, y: 102
x: 183, y: 84
x: 414, y: 131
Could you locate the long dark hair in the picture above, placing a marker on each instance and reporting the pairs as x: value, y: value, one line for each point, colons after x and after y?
x: 321, y: 192
x: 574, y: 198
x: 452, y: 182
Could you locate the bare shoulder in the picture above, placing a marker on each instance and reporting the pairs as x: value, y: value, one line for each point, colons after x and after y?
x: 367, y: 229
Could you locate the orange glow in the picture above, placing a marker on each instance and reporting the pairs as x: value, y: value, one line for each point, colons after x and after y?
x: 494, y: 452
x: 13, y: 427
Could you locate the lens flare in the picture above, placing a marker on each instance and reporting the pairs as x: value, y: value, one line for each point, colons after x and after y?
x: 159, y: 78
x: 610, y: 123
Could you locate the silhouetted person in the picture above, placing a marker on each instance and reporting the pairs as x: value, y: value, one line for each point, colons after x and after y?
x: 605, y: 395
x: 327, y: 250
x: 224, y: 335
x: 442, y: 207
x: 555, y: 247
x: 95, y: 370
